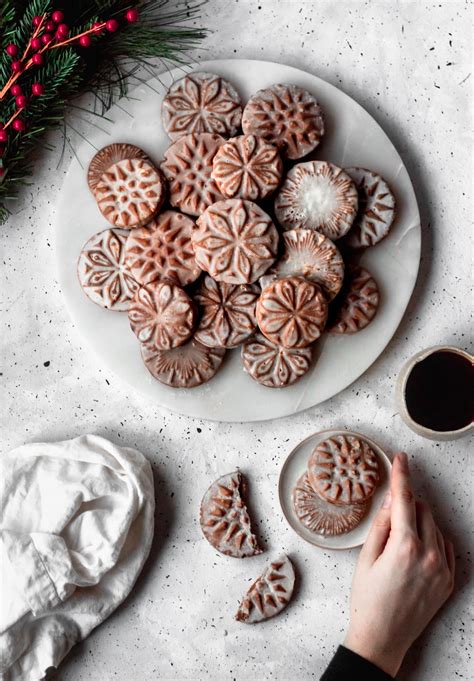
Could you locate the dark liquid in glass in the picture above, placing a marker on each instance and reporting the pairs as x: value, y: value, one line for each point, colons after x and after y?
x: 439, y: 391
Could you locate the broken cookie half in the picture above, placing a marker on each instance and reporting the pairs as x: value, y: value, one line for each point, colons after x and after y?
x: 269, y: 594
x: 224, y: 518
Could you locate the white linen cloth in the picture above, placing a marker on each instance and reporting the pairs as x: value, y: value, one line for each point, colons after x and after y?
x: 76, y: 527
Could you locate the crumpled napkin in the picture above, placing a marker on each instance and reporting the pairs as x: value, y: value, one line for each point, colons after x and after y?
x: 76, y: 526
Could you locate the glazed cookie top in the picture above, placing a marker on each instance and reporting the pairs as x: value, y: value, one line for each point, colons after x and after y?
x: 107, y: 156
x: 224, y: 518
x: 356, y: 304
x: 187, y: 167
x: 376, y: 209
x: 311, y: 255
x: 317, y: 195
x: 286, y: 115
x: 273, y: 365
x: 344, y: 469
x: 247, y: 167
x: 236, y: 241
x: 269, y: 594
x: 201, y: 102
x: 130, y: 192
x: 292, y: 312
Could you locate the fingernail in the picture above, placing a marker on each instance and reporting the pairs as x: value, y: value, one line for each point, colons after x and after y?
x: 403, y: 460
x: 387, y: 500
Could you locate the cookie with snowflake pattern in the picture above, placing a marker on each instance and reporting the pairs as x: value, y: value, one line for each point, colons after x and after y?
x: 236, y: 241
x: 269, y: 594
x: 357, y: 303
x: 103, y: 272
x: 310, y: 255
x: 247, y: 167
x: 201, y: 102
x: 162, y: 315
x: 107, y: 156
x: 287, y: 116
x: 130, y: 192
x: 185, y: 366
x: 376, y: 209
x: 317, y: 195
x: 227, y: 313
x: 224, y: 518
x: 188, y: 167
x: 273, y: 365
x: 163, y: 250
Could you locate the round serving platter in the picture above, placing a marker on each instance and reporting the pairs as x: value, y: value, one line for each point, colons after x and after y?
x: 352, y: 138
x: 295, y: 466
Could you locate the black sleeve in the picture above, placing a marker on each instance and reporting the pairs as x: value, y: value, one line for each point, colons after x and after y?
x: 348, y: 666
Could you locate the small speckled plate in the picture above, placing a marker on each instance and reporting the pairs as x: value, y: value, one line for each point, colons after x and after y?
x: 294, y: 467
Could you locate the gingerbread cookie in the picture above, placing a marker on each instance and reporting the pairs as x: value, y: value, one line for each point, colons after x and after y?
x: 224, y: 518
x: 103, y: 273
x: 317, y: 195
x: 357, y: 303
x: 318, y: 515
x: 201, y: 102
x: 106, y: 157
x: 162, y: 315
x: 269, y: 594
x: 292, y: 312
x: 376, y: 209
x: 163, y: 250
x: 236, y: 241
x: 187, y: 167
x: 186, y: 366
x: 227, y: 313
x: 273, y: 365
x: 286, y: 115
x: 130, y: 192
x: 311, y: 255
x: 247, y: 167
x: 344, y: 470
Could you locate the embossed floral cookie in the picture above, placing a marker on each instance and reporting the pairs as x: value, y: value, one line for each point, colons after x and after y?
x: 224, y: 518
x: 286, y: 115
x: 344, y: 469
x: 322, y: 517
x: 201, y: 102
x: 227, y: 313
x: 247, y: 167
x: 356, y: 304
x: 236, y: 241
x: 269, y: 594
x: 163, y: 250
x: 107, y: 156
x: 376, y: 209
x: 162, y: 315
x: 103, y: 273
x: 273, y: 365
x: 310, y: 255
x: 292, y: 312
x: 188, y: 167
x: 317, y: 195
x: 130, y: 192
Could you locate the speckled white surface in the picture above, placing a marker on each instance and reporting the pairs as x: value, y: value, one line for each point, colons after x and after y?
x: 409, y: 65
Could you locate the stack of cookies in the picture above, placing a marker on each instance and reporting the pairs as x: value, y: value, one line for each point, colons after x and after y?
x: 333, y: 495
x: 201, y: 257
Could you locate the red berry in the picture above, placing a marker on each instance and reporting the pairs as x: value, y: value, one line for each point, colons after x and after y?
x: 84, y: 41
x: 57, y: 16
x: 46, y: 38
x: 112, y: 25
x: 21, y: 101
x: 37, y: 21
x: 49, y: 26
x: 36, y: 43
x: 62, y: 30
x: 37, y: 59
x: 3, y: 136
x: 131, y: 15
x: 17, y: 66
x: 97, y: 27
x: 11, y: 50
x: 16, y: 90
x: 37, y: 89
x: 18, y: 125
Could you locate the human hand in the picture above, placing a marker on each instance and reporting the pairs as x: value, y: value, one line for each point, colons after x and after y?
x: 404, y: 574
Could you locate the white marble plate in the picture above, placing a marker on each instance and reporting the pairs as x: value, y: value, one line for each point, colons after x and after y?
x: 352, y: 138
x: 294, y: 467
